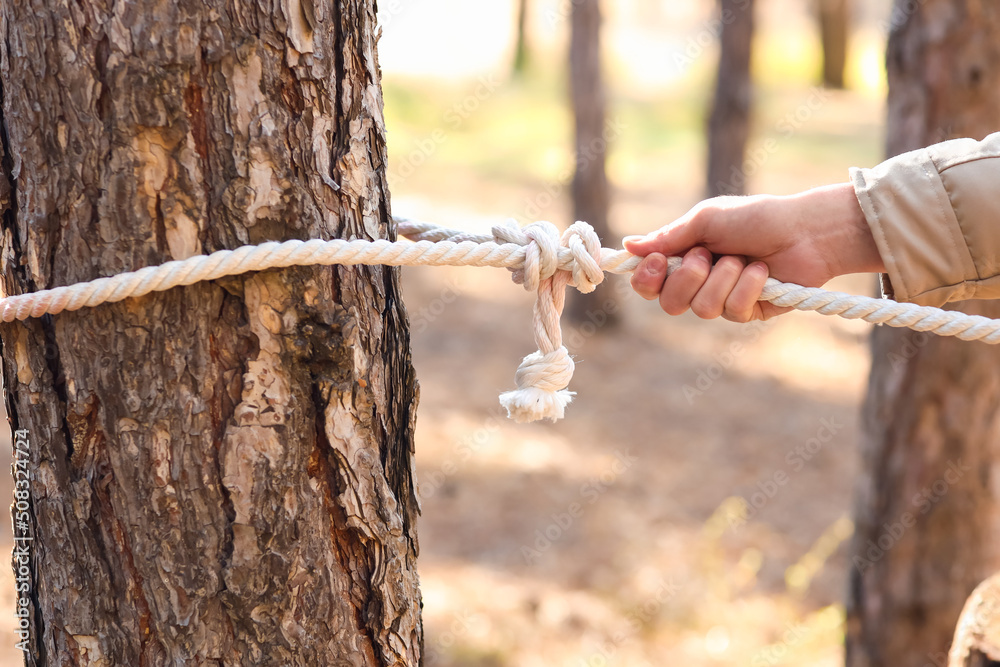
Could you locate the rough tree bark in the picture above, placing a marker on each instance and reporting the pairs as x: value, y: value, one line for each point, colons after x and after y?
x: 977, y: 634
x: 729, y: 120
x: 221, y: 473
x: 590, y: 180
x: 931, y: 452
x: 834, y: 28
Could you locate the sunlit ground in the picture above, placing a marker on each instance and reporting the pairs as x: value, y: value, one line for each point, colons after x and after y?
x: 694, y: 506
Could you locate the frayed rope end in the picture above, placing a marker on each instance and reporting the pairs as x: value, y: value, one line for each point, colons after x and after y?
x: 541, y: 387
x: 533, y: 404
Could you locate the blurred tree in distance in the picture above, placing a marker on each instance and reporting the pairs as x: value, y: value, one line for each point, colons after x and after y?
x: 729, y: 120
x: 928, y: 499
x: 521, y: 43
x: 590, y: 180
x: 834, y: 29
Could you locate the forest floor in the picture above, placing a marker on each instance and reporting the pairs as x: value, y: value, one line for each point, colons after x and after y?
x: 694, y: 506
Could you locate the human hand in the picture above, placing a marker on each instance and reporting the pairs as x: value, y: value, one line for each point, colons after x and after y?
x: 807, y: 239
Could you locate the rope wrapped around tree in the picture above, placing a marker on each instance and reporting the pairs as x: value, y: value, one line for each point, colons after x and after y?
x: 541, y: 259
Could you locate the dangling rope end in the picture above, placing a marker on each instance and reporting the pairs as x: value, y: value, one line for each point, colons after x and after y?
x: 541, y: 387
x: 533, y: 404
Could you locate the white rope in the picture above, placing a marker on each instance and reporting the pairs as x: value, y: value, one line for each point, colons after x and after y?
x: 541, y: 258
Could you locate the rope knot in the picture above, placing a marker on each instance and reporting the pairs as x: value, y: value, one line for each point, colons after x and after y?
x: 583, y: 242
x: 544, y: 375
x: 541, y: 250
x: 542, y: 241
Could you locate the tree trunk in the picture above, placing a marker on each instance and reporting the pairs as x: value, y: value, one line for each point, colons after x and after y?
x: 590, y: 181
x: 977, y: 635
x: 928, y: 507
x: 220, y: 474
x: 521, y: 45
x: 729, y: 121
x: 834, y: 28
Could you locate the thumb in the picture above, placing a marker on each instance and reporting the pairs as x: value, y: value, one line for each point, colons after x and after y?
x: 674, y: 239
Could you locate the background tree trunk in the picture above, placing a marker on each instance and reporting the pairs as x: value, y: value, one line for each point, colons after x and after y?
x: 933, y: 405
x: 834, y: 30
x: 590, y: 181
x: 521, y: 45
x: 222, y: 472
x: 729, y: 120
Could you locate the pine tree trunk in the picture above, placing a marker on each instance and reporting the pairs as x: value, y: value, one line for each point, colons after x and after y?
x: 591, y: 138
x: 928, y: 508
x: 834, y: 26
x: 220, y: 474
x: 729, y: 121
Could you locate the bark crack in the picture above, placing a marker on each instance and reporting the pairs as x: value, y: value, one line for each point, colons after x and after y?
x: 328, y: 463
x: 341, y: 142
x: 53, y: 361
x: 106, y: 515
x: 8, y: 184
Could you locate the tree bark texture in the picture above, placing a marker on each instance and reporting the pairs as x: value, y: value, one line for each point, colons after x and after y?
x: 928, y: 505
x: 590, y: 180
x: 977, y: 635
x: 834, y: 30
x: 729, y: 120
x: 221, y: 473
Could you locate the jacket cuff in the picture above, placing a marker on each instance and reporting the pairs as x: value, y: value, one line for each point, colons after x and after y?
x: 913, y: 223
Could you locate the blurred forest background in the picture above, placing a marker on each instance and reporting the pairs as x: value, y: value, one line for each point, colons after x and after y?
x: 694, y: 507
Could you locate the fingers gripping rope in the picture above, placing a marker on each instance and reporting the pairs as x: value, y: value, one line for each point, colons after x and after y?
x: 541, y: 259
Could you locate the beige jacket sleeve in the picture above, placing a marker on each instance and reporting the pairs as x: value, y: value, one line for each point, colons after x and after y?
x: 935, y: 216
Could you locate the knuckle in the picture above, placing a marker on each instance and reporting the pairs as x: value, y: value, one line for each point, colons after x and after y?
x: 706, y: 215
x: 730, y: 264
x: 696, y: 271
x: 670, y: 305
x: 644, y: 288
x: 741, y: 316
x: 705, y: 310
x: 673, y: 309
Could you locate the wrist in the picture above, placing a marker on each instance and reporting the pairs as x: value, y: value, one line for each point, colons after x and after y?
x: 848, y: 237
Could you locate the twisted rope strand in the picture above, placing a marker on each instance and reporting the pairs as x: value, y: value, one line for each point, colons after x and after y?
x: 540, y: 258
